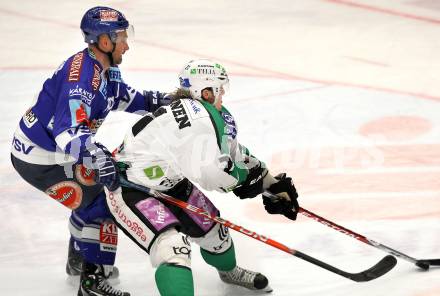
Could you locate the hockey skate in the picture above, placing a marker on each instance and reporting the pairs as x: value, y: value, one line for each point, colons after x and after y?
x: 246, y: 278
x: 75, y: 261
x: 94, y: 283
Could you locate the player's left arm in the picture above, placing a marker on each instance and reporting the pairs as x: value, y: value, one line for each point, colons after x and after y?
x: 130, y: 100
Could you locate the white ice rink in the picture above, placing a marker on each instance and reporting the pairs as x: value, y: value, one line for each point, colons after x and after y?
x: 343, y: 95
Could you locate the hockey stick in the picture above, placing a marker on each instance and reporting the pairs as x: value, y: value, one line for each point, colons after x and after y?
x: 422, y: 263
x: 382, y: 267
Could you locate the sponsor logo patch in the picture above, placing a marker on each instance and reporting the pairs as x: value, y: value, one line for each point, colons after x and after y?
x: 108, y: 16
x: 67, y: 192
x: 75, y: 67
x: 86, y: 96
x: 184, y: 82
x: 194, y: 110
x: 84, y: 175
x: 29, y: 118
x: 154, y: 172
x: 79, y: 112
x: 132, y: 226
x: 108, y: 237
x: 156, y: 213
x: 114, y: 74
x: 96, y: 81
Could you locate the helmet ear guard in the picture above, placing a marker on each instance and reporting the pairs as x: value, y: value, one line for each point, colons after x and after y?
x: 198, y: 75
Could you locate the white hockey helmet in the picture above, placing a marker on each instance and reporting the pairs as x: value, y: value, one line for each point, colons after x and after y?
x: 200, y: 74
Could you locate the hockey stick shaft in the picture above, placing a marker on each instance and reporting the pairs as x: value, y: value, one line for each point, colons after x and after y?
x: 379, y: 269
x: 424, y: 264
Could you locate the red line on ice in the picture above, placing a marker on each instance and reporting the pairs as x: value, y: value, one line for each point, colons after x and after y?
x: 386, y: 11
x: 268, y: 73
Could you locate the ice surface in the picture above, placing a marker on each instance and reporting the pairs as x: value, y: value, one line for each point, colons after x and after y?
x: 345, y: 98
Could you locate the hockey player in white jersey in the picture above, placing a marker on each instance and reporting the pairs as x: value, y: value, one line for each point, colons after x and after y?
x: 194, y: 140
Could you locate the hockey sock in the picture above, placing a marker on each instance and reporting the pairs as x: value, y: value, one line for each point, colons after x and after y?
x: 174, y: 280
x: 223, y: 262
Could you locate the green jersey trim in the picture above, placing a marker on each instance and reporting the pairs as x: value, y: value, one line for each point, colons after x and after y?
x: 239, y: 172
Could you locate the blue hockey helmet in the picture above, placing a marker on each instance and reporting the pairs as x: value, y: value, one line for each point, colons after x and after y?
x: 102, y: 20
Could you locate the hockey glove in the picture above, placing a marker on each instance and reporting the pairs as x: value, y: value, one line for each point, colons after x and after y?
x: 154, y: 100
x: 253, y: 185
x: 281, y: 198
x: 103, y: 165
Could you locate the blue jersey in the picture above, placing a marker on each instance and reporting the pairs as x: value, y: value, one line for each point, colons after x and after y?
x: 75, y: 101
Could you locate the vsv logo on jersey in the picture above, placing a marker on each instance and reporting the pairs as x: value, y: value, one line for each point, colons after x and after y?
x: 21, y: 147
x: 179, y: 114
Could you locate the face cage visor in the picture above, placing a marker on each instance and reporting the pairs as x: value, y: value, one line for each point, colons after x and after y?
x: 122, y: 35
x: 221, y: 89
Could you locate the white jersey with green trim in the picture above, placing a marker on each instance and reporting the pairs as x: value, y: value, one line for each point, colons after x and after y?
x: 188, y: 139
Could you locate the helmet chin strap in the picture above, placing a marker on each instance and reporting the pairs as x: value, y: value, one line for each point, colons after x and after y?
x: 215, y: 100
x: 216, y: 97
x: 109, y: 54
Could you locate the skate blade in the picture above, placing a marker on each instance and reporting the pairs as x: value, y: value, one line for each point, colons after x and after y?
x: 240, y: 290
x: 266, y: 290
x: 73, y: 280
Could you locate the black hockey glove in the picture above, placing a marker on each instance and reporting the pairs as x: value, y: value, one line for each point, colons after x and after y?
x: 103, y: 165
x: 253, y: 185
x: 281, y: 198
x: 154, y: 100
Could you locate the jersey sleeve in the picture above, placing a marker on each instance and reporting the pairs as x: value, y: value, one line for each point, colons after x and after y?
x: 201, y: 161
x: 130, y: 100
x: 210, y: 156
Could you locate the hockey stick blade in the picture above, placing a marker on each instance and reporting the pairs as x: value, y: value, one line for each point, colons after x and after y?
x: 426, y: 263
x: 421, y: 263
x: 382, y: 267
x: 435, y: 262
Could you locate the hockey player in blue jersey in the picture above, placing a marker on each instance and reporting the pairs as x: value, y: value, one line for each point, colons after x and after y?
x: 54, y: 148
